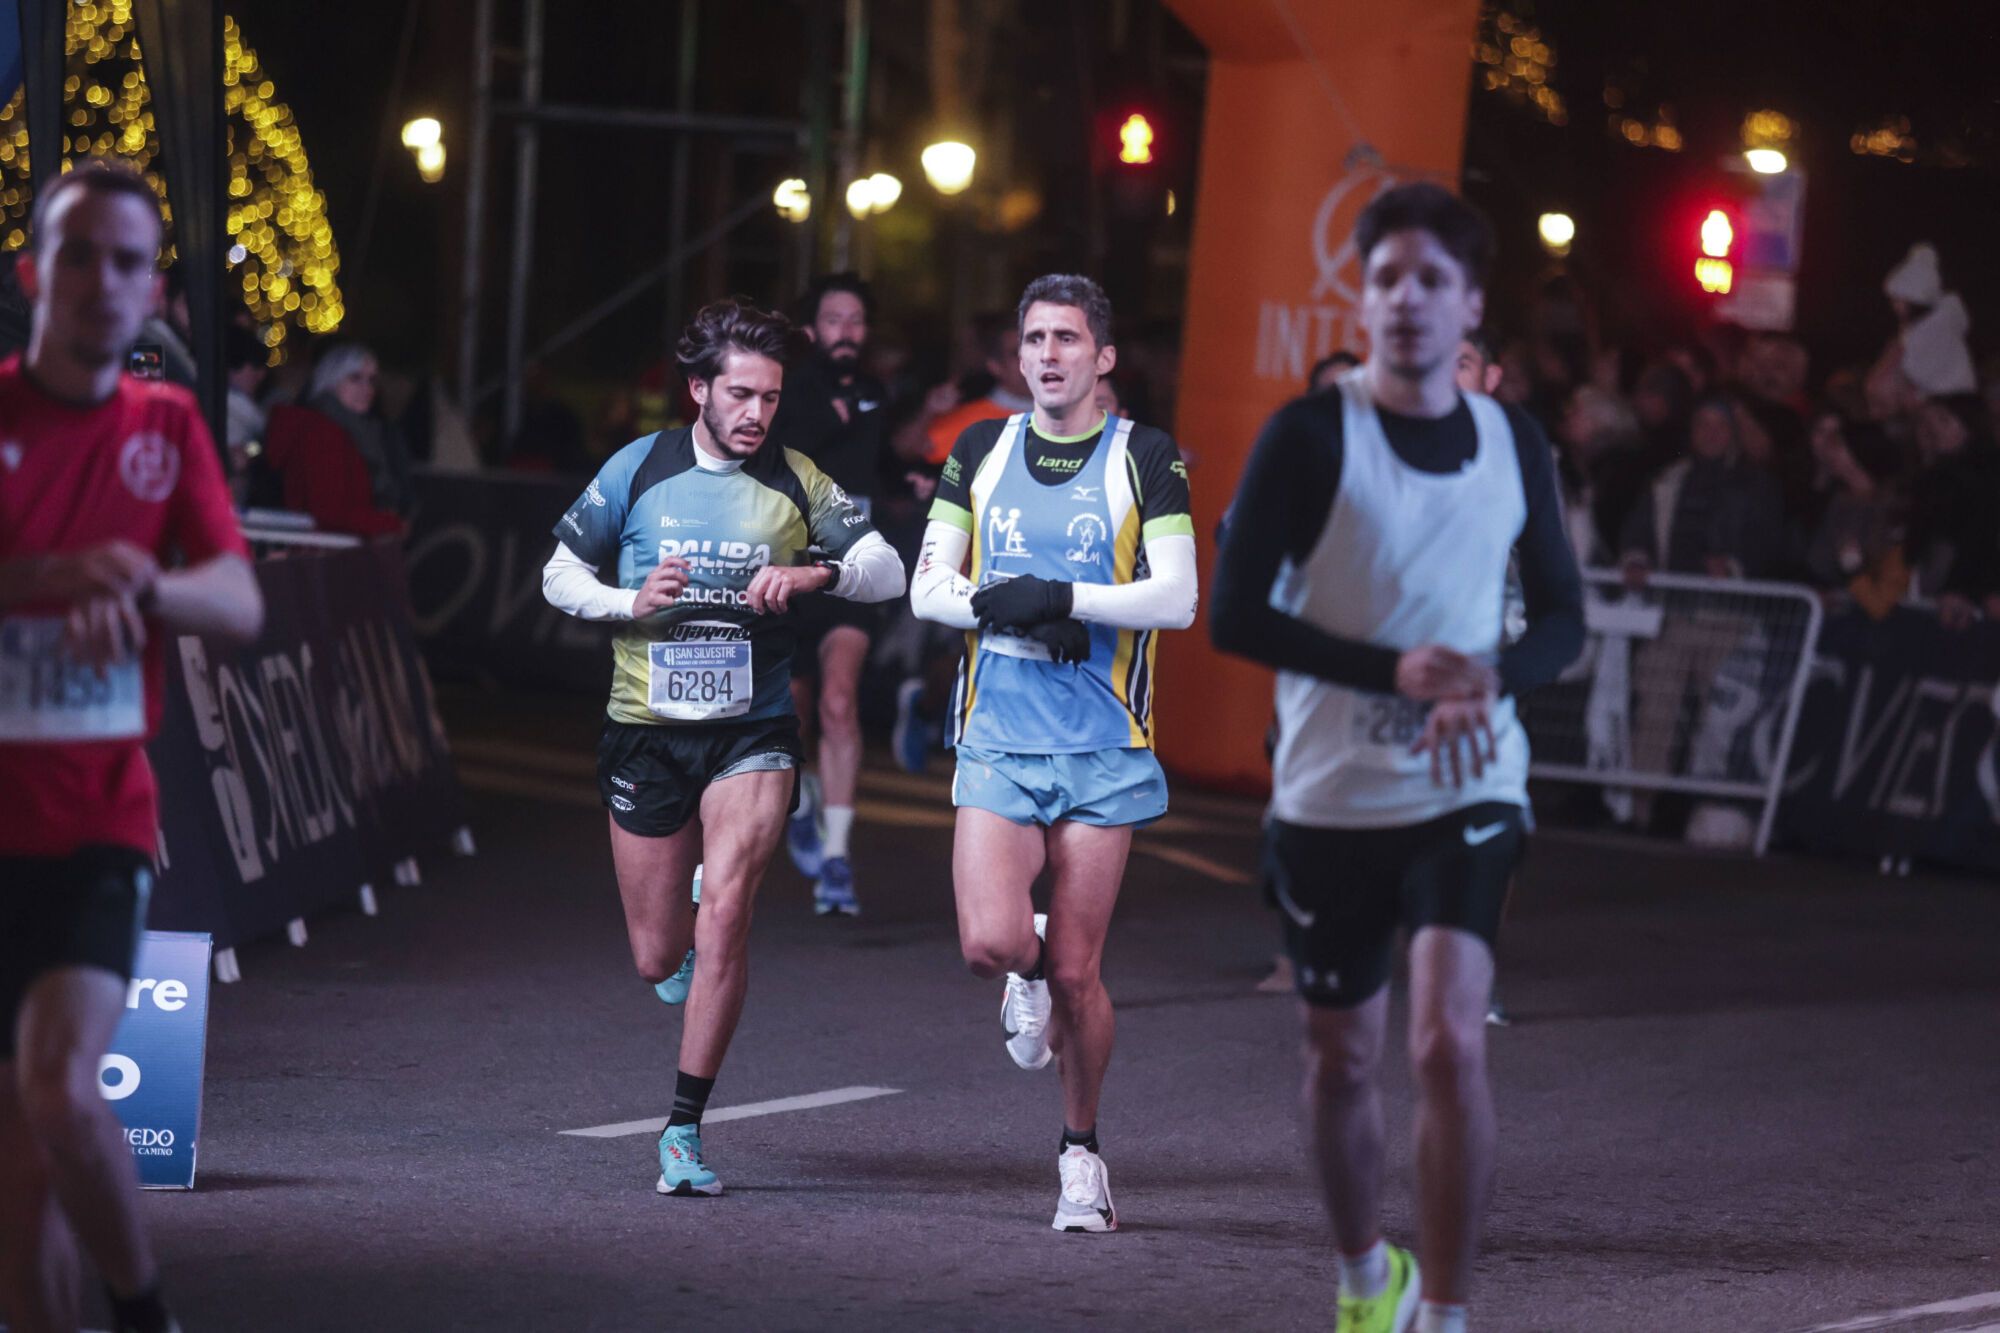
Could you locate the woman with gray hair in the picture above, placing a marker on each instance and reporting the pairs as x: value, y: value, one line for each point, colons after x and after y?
x: 343, y: 388
x: 340, y: 462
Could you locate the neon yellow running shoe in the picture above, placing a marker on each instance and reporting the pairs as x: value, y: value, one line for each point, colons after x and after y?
x: 1395, y: 1310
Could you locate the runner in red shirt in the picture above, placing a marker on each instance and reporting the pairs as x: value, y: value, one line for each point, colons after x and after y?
x: 104, y: 482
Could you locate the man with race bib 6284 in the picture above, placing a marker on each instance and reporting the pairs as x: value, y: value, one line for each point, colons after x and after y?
x: 707, y: 532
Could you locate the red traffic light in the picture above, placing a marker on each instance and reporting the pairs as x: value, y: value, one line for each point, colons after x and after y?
x: 1135, y: 140
x: 1712, y: 269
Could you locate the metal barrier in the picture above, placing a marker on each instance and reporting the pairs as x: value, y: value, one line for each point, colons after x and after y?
x: 267, y: 540
x: 1686, y: 684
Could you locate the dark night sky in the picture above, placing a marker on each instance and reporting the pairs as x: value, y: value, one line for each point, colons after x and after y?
x: 1832, y: 64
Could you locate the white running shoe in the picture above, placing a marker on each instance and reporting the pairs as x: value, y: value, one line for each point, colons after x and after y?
x: 1024, y: 1013
x: 1085, y: 1202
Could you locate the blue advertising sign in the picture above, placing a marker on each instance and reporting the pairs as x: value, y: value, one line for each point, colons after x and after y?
x: 152, y: 1074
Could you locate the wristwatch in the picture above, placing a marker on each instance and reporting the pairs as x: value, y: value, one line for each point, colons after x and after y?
x: 832, y: 568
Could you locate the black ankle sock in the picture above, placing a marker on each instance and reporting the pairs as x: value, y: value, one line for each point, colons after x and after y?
x: 1074, y: 1138
x: 144, y: 1313
x: 690, y: 1099
x: 1041, y: 953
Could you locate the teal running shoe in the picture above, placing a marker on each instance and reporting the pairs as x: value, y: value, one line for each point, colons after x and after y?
x: 682, y: 1171
x: 674, y: 990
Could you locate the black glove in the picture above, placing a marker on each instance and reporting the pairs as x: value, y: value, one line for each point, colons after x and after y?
x: 1067, y: 640
x: 1018, y: 603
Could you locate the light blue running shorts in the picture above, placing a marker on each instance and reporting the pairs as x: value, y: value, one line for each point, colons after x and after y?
x: 1107, y: 787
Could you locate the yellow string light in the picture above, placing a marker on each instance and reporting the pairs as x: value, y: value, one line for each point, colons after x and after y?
x: 289, y: 271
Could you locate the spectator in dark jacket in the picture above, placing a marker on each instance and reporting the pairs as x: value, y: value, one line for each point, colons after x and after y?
x: 1711, y: 513
x: 1953, y: 542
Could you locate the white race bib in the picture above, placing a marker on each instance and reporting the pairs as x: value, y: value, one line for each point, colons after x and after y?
x: 701, y: 674
x: 1009, y: 644
x: 46, y: 696
x: 1385, y: 721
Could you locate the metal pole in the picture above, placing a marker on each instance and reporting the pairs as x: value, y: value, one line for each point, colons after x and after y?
x: 526, y: 141
x: 475, y: 204
x: 677, y: 208
x: 853, y: 91
x: 818, y: 77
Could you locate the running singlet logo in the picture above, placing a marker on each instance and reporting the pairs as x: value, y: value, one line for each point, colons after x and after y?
x: 1003, y: 534
x: 149, y: 465
x: 1088, y: 532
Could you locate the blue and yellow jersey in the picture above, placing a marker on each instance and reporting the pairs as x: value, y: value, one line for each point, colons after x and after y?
x: 708, y: 657
x: 1077, y: 510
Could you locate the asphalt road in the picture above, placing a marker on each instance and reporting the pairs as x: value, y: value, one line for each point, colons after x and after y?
x: 1738, y: 1096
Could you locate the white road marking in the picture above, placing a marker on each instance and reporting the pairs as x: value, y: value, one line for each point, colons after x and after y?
x: 1985, y: 1300
x: 809, y: 1102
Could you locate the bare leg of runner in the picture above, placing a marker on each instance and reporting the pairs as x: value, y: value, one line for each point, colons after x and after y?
x: 841, y: 655
x: 1344, y: 1111
x: 65, y: 1026
x: 653, y: 879
x: 38, y: 1269
x: 1451, y: 974
x: 742, y: 820
x: 1089, y: 865
x: 994, y: 862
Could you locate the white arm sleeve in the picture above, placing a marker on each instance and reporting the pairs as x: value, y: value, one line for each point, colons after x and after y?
x: 939, y: 591
x: 572, y: 585
x: 1163, y: 600
x: 870, y: 571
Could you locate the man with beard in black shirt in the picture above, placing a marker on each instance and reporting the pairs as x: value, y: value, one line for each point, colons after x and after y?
x: 835, y: 414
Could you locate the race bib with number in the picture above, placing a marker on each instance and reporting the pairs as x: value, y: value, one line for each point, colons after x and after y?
x: 701, y: 674
x: 1386, y: 721
x: 46, y: 696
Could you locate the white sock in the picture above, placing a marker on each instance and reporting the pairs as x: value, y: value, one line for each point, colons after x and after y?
x: 839, y: 819
x: 1437, y: 1317
x: 1365, y: 1275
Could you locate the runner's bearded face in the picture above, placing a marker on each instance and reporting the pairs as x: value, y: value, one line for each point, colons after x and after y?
x: 738, y: 404
x: 1417, y: 304
x: 1060, y: 359
x: 840, y: 328
x: 92, y: 278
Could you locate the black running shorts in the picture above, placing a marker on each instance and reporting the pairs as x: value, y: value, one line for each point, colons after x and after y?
x: 1342, y: 894
x: 81, y: 910
x: 651, y: 778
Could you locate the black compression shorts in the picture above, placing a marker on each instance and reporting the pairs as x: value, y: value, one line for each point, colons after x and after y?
x: 652, y: 778
x: 1342, y: 894
x: 81, y: 910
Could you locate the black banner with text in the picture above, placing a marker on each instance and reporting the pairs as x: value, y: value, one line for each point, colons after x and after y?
x: 295, y: 770
x: 1896, y: 747
x: 476, y: 550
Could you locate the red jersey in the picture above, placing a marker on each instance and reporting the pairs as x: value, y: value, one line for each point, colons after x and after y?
x: 142, y: 467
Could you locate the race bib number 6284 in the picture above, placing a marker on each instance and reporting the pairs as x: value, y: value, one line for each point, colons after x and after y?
x: 704, y: 675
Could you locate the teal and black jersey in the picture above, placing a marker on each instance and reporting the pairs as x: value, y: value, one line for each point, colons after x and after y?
x: 708, y: 657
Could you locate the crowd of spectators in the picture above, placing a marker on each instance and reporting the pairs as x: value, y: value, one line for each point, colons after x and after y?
x: 1728, y: 457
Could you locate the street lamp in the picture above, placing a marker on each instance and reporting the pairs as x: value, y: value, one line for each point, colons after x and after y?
x: 948, y: 166
x: 1765, y: 161
x: 424, y: 137
x: 421, y: 133
x: 873, y: 194
x: 1557, y: 231
x: 792, y: 200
